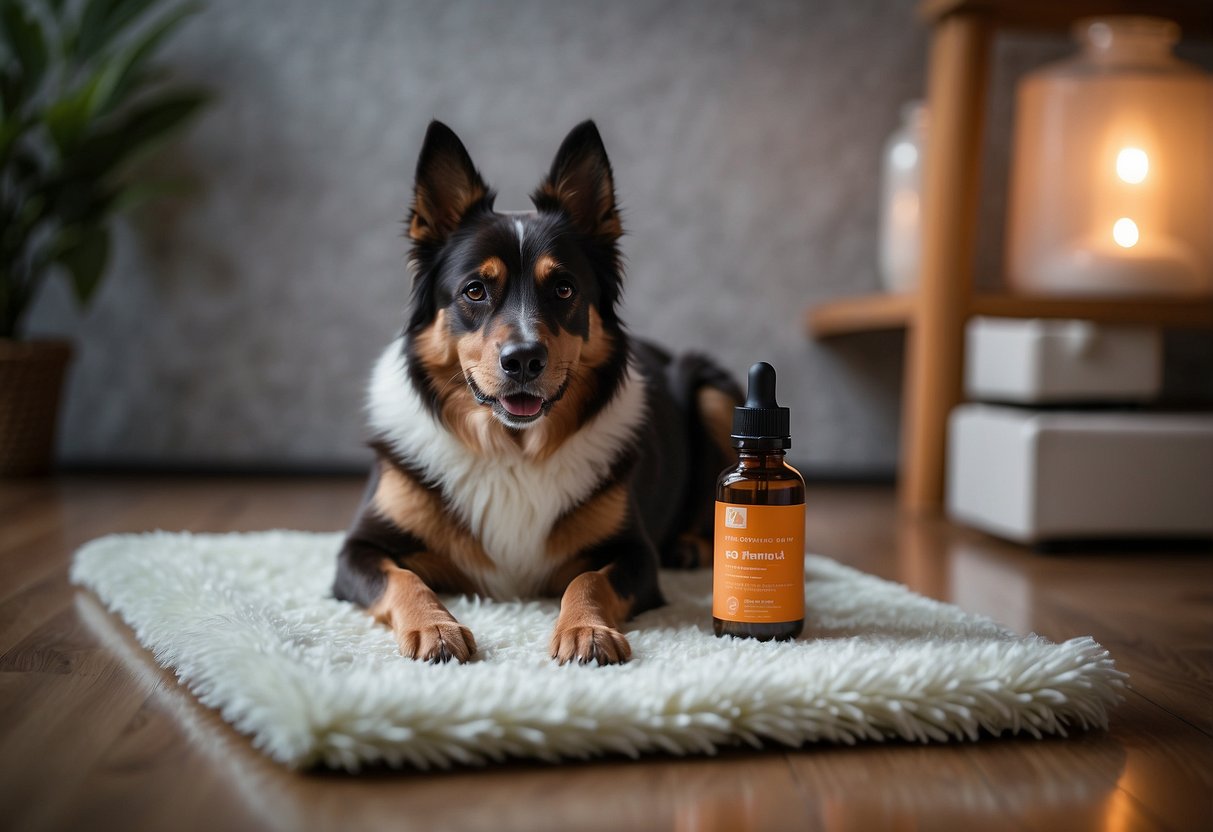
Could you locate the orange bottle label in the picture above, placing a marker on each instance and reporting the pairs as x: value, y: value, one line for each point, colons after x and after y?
x: 758, y: 573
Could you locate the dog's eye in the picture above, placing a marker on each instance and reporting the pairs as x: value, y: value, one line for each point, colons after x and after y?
x: 474, y: 291
x: 565, y: 290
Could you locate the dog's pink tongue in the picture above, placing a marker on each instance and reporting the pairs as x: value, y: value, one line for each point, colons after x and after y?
x: 522, y: 404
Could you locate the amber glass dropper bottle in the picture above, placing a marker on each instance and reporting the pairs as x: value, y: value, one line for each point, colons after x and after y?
x: 758, y: 570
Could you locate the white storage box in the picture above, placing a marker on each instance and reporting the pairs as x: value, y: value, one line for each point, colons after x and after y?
x: 1032, y: 475
x: 1036, y: 361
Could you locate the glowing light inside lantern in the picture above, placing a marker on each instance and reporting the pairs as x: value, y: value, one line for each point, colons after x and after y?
x: 1132, y: 165
x: 904, y: 155
x: 1124, y: 232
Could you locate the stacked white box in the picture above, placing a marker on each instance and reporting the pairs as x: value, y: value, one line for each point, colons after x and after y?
x: 1032, y: 474
x: 1044, y: 361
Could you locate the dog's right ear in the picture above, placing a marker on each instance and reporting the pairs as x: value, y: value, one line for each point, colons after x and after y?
x: 581, y: 185
x: 446, y: 187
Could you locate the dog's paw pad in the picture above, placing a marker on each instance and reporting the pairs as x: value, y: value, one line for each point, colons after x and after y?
x: 592, y: 643
x: 438, y: 643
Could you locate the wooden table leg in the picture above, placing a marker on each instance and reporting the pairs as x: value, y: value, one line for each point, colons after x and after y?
x: 956, y: 96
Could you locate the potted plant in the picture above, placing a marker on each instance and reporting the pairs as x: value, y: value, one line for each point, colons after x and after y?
x: 80, y: 102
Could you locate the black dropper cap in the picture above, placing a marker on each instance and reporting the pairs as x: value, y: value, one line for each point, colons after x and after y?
x: 761, y: 423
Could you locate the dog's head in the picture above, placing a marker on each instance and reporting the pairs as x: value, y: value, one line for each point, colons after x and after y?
x: 513, y: 318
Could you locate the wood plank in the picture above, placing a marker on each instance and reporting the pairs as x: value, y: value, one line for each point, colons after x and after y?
x: 1171, y: 668
x: 1151, y: 609
x: 920, y: 787
x: 878, y: 312
x: 865, y: 313
x: 57, y: 696
x: 196, y: 764
x: 1167, y: 766
x: 94, y: 735
x: 1154, y: 612
x: 1175, y: 312
x: 958, y: 67
x: 1050, y: 15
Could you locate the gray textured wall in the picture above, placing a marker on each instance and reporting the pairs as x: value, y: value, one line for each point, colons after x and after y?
x: 237, y: 328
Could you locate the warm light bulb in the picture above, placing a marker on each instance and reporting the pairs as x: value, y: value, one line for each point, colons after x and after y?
x: 1124, y: 232
x: 1132, y: 165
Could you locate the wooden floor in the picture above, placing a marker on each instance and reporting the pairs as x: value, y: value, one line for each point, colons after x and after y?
x: 93, y: 735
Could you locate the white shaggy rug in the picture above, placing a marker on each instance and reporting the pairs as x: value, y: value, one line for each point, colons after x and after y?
x: 246, y: 622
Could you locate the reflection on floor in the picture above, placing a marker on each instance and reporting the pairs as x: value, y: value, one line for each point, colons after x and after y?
x: 94, y: 734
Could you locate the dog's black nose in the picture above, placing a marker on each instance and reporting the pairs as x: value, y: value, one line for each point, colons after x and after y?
x: 524, y: 360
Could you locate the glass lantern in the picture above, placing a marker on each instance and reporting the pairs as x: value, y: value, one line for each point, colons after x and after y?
x: 1112, y: 174
x: 900, y: 200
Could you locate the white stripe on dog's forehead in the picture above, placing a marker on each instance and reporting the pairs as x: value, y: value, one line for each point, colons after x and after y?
x: 526, y: 327
x: 520, y: 230
x: 519, y: 219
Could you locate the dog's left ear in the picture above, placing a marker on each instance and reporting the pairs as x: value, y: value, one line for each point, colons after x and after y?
x: 581, y: 184
x: 447, y: 187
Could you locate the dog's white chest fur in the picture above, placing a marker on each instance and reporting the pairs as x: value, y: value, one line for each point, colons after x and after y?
x: 508, y: 501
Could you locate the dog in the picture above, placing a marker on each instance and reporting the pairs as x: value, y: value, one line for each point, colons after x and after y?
x: 525, y: 445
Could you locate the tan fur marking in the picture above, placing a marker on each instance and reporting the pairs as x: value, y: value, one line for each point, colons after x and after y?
x: 592, y: 522
x: 448, y: 360
x: 471, y: 422
x: 598, y: 343
x: 423, y: 627
x: 611, y: 226
x: 434, y: 344
x: 441, y: 574
x: 544, y: 266
x: 428, y: 222
x: 563, y: 575
x: 418, y: 230
x: 569, y: 353
x: 413, y: 508
x: 445, y: 361
x: 493, y: 268
x: 579, y: 357
x: 716, y: 410
x: 604, y: 220
x: 588, y: 626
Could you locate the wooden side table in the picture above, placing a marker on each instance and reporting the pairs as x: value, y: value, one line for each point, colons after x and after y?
x: 962, y: 33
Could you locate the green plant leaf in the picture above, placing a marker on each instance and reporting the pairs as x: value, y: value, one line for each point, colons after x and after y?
x: 134, y: 196
x: 103, y: 20
x: 136, y: 54
x: 68, y: 118
x: 10, y: 130
x: 111, y: 82
x: 26, y: 41
x: 84, y: 253
x: 10, y: 89
x: 101, y: 106
x: 135, y: 133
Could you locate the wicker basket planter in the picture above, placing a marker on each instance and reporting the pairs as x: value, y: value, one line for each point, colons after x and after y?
x: 31, y: 379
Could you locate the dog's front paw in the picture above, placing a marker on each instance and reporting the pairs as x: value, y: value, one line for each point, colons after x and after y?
x: 590, y: 643
x: 437, y: 641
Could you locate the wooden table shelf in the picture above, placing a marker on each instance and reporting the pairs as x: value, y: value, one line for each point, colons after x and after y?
x: 877, y: 312
x: 958, y: 69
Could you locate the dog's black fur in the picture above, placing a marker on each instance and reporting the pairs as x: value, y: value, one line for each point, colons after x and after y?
x: 514, y: 345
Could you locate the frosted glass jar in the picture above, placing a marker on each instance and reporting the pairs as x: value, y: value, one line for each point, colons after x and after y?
x: 1112, y: 173
x: 900, y: 201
